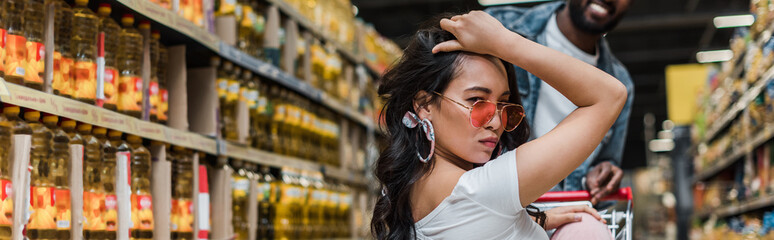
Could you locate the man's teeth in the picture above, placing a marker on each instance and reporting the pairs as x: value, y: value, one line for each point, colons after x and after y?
x: 598, y: 9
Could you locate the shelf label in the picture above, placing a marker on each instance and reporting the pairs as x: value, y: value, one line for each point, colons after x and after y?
x: 237, y: 151
x: 154, y: 11
x: 77, y: 111
x: 177, y: 137
x: 204, y: 144
x: 30, y: 98
x: 114, y: 121
x: 150, y: 130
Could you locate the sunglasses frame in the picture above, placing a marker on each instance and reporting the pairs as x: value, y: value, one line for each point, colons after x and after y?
x: 498, y: 110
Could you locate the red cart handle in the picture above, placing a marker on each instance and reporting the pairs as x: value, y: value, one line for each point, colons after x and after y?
x: 623, y: 194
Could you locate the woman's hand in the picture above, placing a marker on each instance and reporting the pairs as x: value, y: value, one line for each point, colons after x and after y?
x: 477, y: 32
x: 559, y: 216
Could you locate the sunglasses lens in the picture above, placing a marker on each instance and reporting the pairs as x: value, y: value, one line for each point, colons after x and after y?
x: 481, y: 113
x: 512, y: 116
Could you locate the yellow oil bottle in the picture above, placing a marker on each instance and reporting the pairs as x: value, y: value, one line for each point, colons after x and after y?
x: 60, y: 166
x: 229, y: 108
x: 129, y: 62
x: 263, y: 117
x: 182, y: 194
x: 6, y: 207
x: 108, y: 181
x: 278, y: 127
x: 15, y: 41
x: 84, y: 46
x: 93, y: 191
x: 240, y: 189
x: 2, y: 47
x: 248, y: 95
x: 142, y: 212
x: 42, y: 224
x: 33, y: 29
x: 265, y: 205
x: 111, y: 30
x: 61, y: 82
x: 153, y: 87
x: 163, y: 107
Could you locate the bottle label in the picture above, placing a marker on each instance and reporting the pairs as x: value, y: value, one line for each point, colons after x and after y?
x: 244, y: 95
x: 111, y: 92
x: 35, y: 55
x: 111, y: 213
x: 43, y: 211
x: 62, y: 202
x: 262, y: 105
x: 93, y: 204
x: 2, y: 50
x: 252, y: 99
x: 138, y: 92
x: 233, y: 90
x: 240, y: 186
x: 182, y: 219
x: 85, y: 80
x: 222, y: 87
x: 163, y: 104
x: 6, y: 198
x: 279, y: 115
x: 153, y: 95
x: 15, y: 55
x: 127, y: 89
x: 142, y: 212
x: 59, y: 81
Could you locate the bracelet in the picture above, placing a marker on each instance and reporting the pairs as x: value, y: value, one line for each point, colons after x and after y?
x: 540, y: 216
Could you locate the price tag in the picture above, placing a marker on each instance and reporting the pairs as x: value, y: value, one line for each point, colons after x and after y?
x: 76, y: 110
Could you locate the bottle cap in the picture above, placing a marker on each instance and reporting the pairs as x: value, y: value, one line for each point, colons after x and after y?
x: 145, y: 24
x: 82, y: 3
x: 114, y: 133
x: 48, y: 118
x: 155, y: 34
x: 104, y: 9
x: 100, y: 131
x: 67, y: 123
x: 134, y: 139
x: 127, y: 20
x: 11, y: 109
x: 31, y: 115
x: 84, y: 127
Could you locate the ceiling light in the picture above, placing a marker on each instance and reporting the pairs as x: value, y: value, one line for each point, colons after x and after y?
x: 733, y: 21
x: 714, y: 56
x: 502, y: 2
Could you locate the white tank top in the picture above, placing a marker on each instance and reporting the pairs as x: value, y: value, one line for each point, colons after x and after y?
x: 483, y: 205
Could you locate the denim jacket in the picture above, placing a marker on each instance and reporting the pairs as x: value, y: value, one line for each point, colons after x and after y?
x: 530, y: 23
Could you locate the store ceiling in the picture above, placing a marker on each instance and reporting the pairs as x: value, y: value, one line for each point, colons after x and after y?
x: 653, y: 34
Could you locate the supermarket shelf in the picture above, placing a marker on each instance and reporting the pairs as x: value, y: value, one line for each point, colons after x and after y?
x: 745, y: 148
x: 72, y: 109
x: 737, y: 209
x: 739, y: 106
x: 174, y: 21
x: 307, y: 24
x: 238, y: 151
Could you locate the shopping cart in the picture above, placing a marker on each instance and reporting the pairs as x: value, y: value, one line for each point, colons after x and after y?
x: 615, y: 219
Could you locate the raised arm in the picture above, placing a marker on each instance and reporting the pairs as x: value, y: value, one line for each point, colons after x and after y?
x: 545, y: 161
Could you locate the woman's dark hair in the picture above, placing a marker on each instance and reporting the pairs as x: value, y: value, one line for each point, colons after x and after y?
x: 398, y: 168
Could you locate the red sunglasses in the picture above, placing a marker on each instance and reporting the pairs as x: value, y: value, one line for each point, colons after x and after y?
x: 483, y: 111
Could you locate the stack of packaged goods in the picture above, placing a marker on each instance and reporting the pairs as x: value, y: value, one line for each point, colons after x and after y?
x: 380, y: 51
x: 334, y: 18
x: 281, y: 121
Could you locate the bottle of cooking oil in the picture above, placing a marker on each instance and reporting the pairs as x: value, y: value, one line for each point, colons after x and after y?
x: 229, y: 109
x: 69, y: 127
x: 251, y: 96
x: 33, y: 29
x: 20, y: 127
x: 265, y: 205
x: 264, y: 116
x: 93, y: 191
x: 63, y: 15
x: 42, y: 224
x: 129, y: 62
x: 248, y: 94
x: 153, y: 87
x: 6, y: 204
x: 60, y: 165
x: 163, y: 107
x: 15, y: 41
x: 2, y: 46
x: 278, y: 122
x: 244, y: 26
x: 108, y: 171
x: 240, y: 189
x: 111, y: 30
x: 306, y: 226
x: 84, y: 44
x: 283, y: 222
x: 182, y: 194
x: 259, y: 27
x: 142, y: 212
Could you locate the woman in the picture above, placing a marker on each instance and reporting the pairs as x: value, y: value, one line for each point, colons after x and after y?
x: 452, y: 106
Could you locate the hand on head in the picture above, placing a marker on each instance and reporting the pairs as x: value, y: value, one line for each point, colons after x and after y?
x: 476, y: 32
